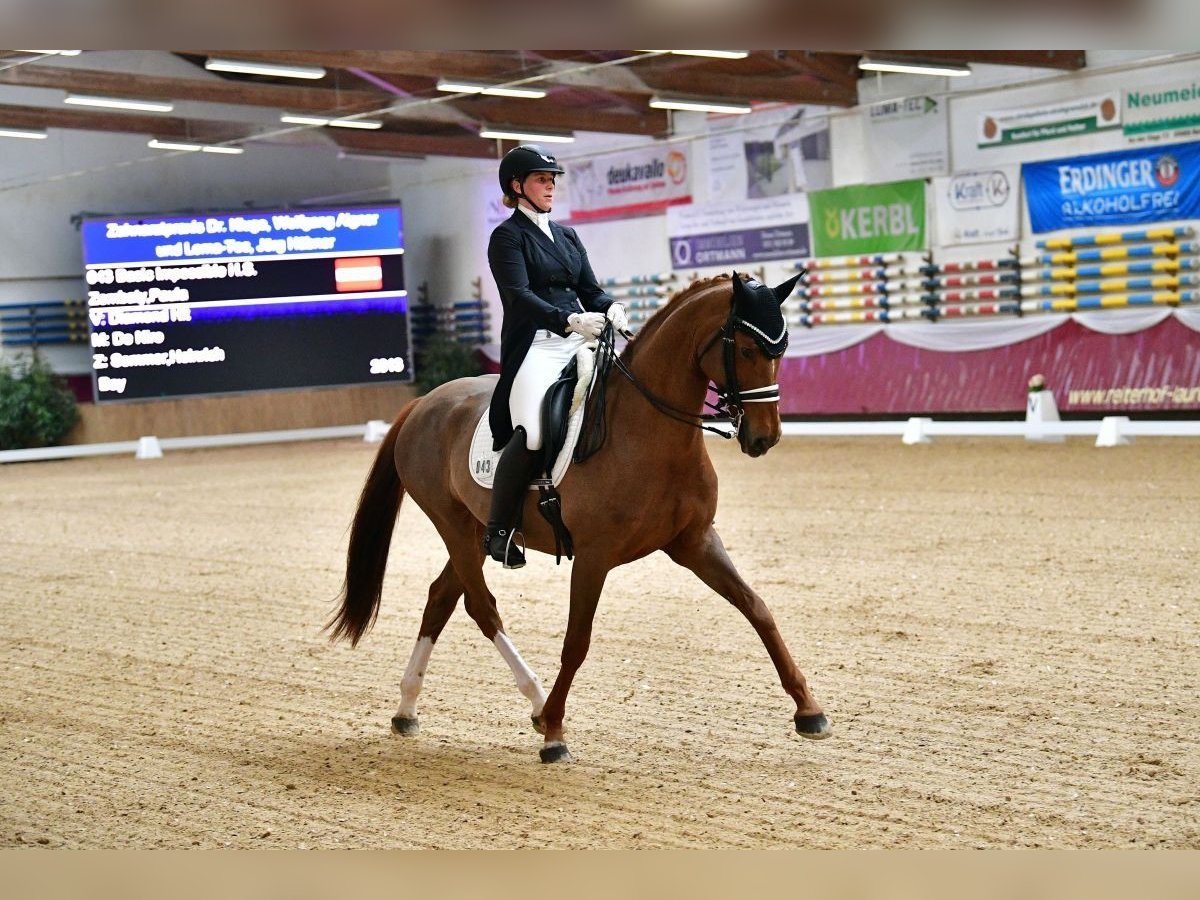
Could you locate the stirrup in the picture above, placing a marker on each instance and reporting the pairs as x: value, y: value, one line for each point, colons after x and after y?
x: 501, y: 546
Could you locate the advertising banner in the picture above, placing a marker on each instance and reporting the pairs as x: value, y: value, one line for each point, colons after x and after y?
x: 722, y: 234
x: 1066, y: 118
x: 1155, y: 370
x: 633, y: 182
x: 907, y: 138
x: 868, y: 218
x: 1164, y: 112
x: 976, y: 207
x: 767, y: 153
x: 1125, y: 187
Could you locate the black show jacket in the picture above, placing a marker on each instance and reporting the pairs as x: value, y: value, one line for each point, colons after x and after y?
x: 541, y: 282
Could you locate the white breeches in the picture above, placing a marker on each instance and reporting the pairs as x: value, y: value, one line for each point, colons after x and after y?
x: 542, y: 364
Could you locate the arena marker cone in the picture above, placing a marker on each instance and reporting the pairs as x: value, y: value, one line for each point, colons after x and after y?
x: 914, y: 431
x: 148, y: 447
x: 375, y: 432
x: 1040, y: 408
x: 1110, y: 432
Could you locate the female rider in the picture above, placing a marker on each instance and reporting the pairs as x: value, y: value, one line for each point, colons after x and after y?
x: 552, y: 305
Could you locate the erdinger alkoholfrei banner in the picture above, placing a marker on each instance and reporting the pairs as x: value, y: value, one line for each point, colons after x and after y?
x: 1125, y: 187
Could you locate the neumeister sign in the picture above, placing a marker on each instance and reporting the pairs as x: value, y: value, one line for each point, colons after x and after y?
x: 1127, y: 187
x: 869, y: 218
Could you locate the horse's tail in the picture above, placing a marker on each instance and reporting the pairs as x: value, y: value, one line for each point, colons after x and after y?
x: 370, y: 540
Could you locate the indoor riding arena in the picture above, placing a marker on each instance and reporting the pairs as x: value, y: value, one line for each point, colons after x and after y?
x: 974, y: 524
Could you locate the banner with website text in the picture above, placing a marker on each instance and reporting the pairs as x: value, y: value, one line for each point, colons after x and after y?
x: 632, y: 182
x: 1125, y: 187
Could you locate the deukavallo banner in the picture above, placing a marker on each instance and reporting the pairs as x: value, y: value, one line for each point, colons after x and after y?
x: 868, y: 218
x: 634, y: 182
x: 977, y: 207
x: 1125, y: 187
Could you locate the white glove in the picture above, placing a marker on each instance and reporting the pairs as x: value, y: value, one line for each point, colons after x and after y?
x: 616, y: 315
x: 588, y: 325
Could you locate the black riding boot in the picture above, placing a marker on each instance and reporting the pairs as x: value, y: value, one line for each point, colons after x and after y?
x: 516, y: 467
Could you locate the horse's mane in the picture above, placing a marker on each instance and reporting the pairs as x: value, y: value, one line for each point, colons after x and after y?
x: 678, y: 299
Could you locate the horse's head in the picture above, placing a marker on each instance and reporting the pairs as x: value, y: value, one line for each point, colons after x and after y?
x: 745, y: 368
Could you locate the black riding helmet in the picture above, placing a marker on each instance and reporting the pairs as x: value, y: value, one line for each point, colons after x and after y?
x: 523, y: 161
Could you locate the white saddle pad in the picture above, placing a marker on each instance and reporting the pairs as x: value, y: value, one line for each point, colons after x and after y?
x: 483, y: 458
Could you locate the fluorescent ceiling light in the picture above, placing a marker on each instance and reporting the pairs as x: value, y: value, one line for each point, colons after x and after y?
x: 300, y: 119
x: 31, y: 134
x: 699, y: 104
x: 156, y: 144
x: 515, y: 133
x: 369, y: 124
x: 381, y: 156
x: 264, y: 68
x: 53, y: 52
x: 459, y: 86
x: 914, y: 68
x: 119, y: 103
x: 714, y: 54
x: 173, y: 145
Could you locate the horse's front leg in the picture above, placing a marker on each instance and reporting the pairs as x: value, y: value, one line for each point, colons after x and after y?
x: 587, y: 580
x: 704, y: 554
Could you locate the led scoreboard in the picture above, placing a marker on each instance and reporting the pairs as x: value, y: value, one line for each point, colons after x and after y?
x: 227, y: 302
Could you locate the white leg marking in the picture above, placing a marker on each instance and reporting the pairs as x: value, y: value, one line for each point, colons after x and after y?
x: 414, y: 676
x: 527, y: 681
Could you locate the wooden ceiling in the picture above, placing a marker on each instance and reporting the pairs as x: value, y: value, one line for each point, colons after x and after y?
x: 604, y: 91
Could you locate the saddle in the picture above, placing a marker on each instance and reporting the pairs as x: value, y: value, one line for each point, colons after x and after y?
x: 570, y: 401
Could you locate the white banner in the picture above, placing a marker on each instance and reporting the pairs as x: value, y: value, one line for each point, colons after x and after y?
x: 728, y: 233
x: 906, y: 138
x: 767, y: 153
x: 1066, y: 118
x: 633, y: 182
x: 1164, y: 111
x: 977, y: 207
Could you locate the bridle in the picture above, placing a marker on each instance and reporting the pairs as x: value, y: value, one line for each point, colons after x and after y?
x: 731, y: 399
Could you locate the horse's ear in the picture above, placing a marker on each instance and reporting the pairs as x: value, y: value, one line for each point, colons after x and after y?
x: 739, y: 286
x: 783, y: 291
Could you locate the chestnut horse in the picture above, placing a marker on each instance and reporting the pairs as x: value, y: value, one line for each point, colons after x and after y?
x: 650, y: 487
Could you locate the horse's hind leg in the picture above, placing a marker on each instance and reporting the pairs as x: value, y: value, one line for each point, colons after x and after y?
x: 443, y: 597
x: 464, y: 541
x: 704, y: 554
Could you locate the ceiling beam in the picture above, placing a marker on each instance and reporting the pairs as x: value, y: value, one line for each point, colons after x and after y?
x: 415, y: 144
x: 648, y: 122
x: 783, y: 89
x: 1069, y: 60
x: 215, y: 90
x: 129, y: 123
x: 476, y: 64
x: 839, y: 70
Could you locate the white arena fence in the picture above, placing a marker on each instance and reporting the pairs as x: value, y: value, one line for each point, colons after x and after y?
x: 1111, y: 431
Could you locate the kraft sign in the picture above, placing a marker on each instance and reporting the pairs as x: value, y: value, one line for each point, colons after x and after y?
x: 870, y: 218
x: 976, y: 207
x: 1127, y: 187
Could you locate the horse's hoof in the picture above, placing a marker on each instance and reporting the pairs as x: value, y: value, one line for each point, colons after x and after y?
x: 556, y: 752
x: 404, y: 725
x: 815, y: 727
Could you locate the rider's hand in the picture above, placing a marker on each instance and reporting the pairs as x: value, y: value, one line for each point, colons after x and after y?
x: 616, y: 315
x: 587, y: 324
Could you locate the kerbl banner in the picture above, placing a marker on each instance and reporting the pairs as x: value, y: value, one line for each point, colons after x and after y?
x: 634, y: 182
x: 868, y: 218
x: 1125, y: 187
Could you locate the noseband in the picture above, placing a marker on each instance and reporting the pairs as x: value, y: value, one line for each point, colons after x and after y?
x: 731, y: 401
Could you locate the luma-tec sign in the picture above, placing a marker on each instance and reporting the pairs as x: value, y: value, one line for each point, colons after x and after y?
x: 1127, y: 187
